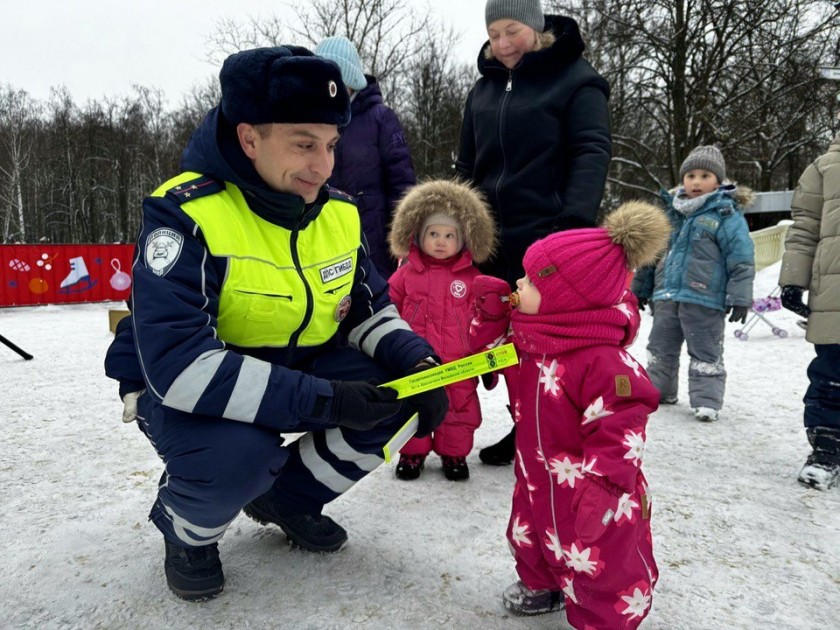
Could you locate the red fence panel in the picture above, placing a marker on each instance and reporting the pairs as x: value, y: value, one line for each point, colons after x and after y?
x: 59, y: 274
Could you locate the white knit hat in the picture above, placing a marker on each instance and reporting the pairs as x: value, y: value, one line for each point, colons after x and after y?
x: 342, y: 51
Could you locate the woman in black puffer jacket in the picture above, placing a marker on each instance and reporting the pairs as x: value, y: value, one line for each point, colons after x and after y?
x: 535, y: 138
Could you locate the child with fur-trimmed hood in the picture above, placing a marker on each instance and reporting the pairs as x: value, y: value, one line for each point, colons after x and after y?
x: 707, y: 273
x: 579, y: 528
x: 439, y: 228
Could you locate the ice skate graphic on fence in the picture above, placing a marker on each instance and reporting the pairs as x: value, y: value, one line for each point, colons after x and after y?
x: 78, y: 279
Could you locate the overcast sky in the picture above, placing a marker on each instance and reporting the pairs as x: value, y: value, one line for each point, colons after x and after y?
x: 101, y: 48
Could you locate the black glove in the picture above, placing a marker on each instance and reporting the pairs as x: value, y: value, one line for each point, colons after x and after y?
x: 362, y: 405
x: 642, y: 303
x: 490, y: 380
x: 739, y: 313
x: 431, y: 406
x: 792, y: 300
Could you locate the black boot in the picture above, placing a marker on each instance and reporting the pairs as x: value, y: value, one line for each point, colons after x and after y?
x: 313, y: 533
x: 822, y: 468
x: 455, y: 468
x: 501, y: 453
x: 410, y: 467
x: 194, y: 573
x: 521, y: 600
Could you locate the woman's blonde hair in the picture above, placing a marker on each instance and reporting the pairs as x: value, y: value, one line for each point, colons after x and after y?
x: 544, y: 40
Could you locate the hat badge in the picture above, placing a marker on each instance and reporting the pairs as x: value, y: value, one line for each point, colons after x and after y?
x: 333, y: 89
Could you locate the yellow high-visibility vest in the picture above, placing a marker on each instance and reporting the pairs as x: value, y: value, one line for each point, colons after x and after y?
x: 279, y: 283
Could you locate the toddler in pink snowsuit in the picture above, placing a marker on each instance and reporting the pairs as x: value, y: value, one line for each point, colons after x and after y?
x: 439, y: 228
x: 580, y: 523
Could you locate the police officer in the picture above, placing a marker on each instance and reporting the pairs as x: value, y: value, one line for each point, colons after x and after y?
x: 248, y: 271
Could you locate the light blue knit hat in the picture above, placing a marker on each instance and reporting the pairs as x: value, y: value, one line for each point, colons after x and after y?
x: 342, y: 51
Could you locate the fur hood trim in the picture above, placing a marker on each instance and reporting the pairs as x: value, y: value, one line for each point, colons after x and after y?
x: 464, y: 204
x: 743, y: 196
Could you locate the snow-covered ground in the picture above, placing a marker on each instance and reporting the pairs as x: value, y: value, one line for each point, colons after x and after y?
x: 739, y: 543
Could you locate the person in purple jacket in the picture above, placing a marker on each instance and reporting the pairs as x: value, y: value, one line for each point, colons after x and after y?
x: 372, y: 159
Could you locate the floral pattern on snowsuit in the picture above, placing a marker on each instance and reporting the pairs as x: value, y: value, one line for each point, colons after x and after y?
x: 580, y: 413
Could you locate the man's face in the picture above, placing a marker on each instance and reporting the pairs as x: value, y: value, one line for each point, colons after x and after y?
x: 291, y: 158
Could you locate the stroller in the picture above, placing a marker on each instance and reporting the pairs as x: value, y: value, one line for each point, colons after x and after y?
x: 772, y: 302
x: 769, y: 247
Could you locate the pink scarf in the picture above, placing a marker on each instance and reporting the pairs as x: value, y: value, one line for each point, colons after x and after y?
x: 555, y: 333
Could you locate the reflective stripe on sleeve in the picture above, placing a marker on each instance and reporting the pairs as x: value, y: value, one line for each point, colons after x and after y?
x: 248, y: 391
x: 367, y: 335
x: 186, y: 390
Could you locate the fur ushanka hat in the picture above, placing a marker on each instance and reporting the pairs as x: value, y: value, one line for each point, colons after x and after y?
x: 284, y: 84
x: 462, y: 203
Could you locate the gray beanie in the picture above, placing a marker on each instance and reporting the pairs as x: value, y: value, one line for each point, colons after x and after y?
x: 707, y: 157
x: 529, y: 12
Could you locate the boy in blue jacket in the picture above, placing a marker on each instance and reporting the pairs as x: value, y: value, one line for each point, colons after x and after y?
x: 707, y: 273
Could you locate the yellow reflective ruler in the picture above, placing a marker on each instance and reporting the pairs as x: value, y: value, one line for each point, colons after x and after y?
x: 446, y: 374
x: 454, y: 371
x: 400, y: 438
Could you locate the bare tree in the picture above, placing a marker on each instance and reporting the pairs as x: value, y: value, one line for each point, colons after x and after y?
x: 194, y: 107
x: 432, y: 108
x: 740, y: 73
x: 18, y: 134
x: 59, y: 147
x: 782, y: 105
x: 385, y: 32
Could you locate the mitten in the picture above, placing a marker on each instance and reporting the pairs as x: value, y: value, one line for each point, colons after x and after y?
x: 490, y: 380
x: 490, y: 312
x: 491, y: 298
x: 642, y: 303
x: 595, y: 503
x: 130, y: 405
x: 792, y: 300
x: 361, y: 405
x: 739, y: 313
x: 431, y: 406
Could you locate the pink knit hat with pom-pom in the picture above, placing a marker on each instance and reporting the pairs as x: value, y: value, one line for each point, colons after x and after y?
x: 587, y: 268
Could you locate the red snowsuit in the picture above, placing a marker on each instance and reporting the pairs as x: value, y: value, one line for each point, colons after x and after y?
x: 580, y: 412
x: 581, y: 416
x: 433, y: 296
